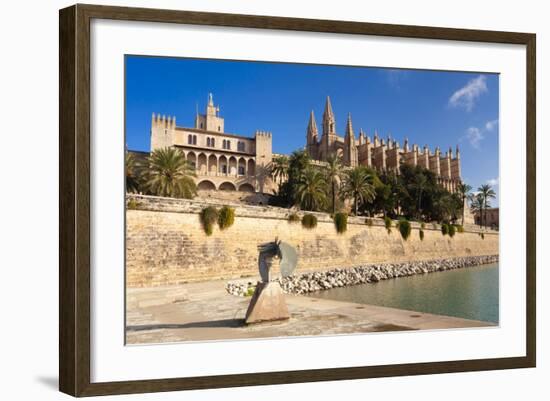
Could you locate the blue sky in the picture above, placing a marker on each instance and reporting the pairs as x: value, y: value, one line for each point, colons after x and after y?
x: 429, y: 107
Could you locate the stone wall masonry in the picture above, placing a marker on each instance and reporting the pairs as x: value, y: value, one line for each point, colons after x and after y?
x: 166, y: 245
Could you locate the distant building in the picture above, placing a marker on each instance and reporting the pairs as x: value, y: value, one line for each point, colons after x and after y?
x: 222, y: 161
x: 491, y: 217
x: 377, y: 153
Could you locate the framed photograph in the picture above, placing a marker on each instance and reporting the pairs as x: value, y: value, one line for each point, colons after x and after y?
x: 249, y: 200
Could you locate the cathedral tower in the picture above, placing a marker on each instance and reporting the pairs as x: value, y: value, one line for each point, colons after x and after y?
x: 211, y: 120
x: 350, y: 149
x: 329, y: 130
x: 312, y: 136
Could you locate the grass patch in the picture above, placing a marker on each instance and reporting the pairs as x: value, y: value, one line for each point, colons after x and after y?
x: 293, y: 218
x: 133, y: 204
x: 387, y: 224
x: 404, y: 227
x: 309, y: 221
x: 208, y: 217
x: 226, y: 217
x: 341, y: 222
x: 452, y: 230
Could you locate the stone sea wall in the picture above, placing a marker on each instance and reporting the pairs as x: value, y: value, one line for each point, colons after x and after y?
x: 373, y: 273
x: 166, y: 245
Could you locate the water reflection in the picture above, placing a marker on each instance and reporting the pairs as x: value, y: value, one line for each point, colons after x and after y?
x: 470, y: 293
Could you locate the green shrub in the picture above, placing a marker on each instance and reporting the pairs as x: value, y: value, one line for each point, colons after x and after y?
x: 387, y: 224
x: 293, y: 218
x: 369, y: 221
x: 459, y: 228
x: 133, y: 204
x: 421, y: 235
x: 422, y: 225
x: 482, y: 236
x: 444, y: 228
x: 226, y: 217
x: 341, y: 222
x: 309, y: 221
x: 404, y: 227
x: 208, y: 217
x: 452, y: 230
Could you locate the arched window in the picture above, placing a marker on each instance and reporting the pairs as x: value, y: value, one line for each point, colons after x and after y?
x: 194, y: 139
x: 207, y: 141
x: 190, y: 140
x: 213, y: 142
x: 240, y: 146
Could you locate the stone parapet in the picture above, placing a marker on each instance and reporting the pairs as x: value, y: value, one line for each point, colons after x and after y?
x: 166, y: 244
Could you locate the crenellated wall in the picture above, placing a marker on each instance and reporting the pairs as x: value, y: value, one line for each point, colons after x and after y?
x: 166, y: 245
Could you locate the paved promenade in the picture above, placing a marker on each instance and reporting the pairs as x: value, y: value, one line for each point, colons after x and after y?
x: 205, y: 312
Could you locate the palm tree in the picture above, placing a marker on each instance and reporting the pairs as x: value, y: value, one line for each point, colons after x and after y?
x: 169, y: 174
x: 333, y: 171
x: 358, y: 186
x: 131, y: 167
x: 279, y: 168
x: 464, y: 191
x: 476, y: 205
x: 311, y: 189
x: 486, y: 193
x: 298, y: 163
x: 417, y: 186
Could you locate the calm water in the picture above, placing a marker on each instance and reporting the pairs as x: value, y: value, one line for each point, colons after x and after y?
x: 470, y: 293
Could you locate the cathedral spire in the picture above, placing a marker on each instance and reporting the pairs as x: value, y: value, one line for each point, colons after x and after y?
x: 312, y: 129
x: 329, y: 122
x: 361, y: 137
x: 349, y: 127
x: 328, y: 114
x: 350, y: 149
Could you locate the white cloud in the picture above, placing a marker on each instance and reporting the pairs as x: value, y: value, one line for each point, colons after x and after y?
x: 493, y: 182
x: 396, y: 77
x: 490, y: 125
x: 467, y: 95
x: 474, y: 136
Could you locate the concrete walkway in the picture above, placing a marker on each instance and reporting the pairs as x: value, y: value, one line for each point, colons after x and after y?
x: 205, y: 312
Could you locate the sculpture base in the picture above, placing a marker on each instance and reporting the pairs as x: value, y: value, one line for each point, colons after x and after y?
x: 267, y: 304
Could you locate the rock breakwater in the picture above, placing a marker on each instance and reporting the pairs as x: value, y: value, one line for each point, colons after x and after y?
x: 371, y: 273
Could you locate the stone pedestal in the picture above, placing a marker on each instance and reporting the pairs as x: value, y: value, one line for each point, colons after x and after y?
x: 267, y: 304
